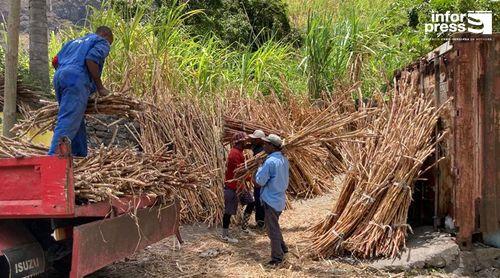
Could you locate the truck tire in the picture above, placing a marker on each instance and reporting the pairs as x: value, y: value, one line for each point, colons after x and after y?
x: 4, y: 267
x: 63, y: 266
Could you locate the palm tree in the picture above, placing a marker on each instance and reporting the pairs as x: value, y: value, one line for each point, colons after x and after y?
x: 39, y: 54
x: 10, y: 91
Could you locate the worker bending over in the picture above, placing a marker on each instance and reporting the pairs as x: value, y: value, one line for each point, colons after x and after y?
x: 235, y: 191
x: 78, y: 67
x: 272, y: 176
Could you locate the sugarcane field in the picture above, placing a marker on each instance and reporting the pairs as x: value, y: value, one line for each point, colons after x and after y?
x: 249, y: 138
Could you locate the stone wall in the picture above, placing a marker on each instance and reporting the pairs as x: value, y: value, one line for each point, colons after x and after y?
x: 112, y: 131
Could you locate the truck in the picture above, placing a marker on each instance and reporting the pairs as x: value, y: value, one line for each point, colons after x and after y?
x: 44, y: 227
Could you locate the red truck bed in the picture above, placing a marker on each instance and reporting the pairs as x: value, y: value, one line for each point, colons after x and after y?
x: 36, y: 187
x: 43, y: 188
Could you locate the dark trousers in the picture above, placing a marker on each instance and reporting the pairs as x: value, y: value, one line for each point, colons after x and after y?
x: 231, y: 201
x: 278, y: 246
x: 259, y: 207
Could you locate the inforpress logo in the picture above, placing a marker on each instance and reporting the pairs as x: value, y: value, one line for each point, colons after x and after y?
x: 478, y: 22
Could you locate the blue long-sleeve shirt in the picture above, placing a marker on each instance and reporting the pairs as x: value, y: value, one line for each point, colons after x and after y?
x: 74, y: 53
x: 272, y: 176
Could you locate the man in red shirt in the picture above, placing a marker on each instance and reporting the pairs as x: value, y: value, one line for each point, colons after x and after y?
x: 235, y: 191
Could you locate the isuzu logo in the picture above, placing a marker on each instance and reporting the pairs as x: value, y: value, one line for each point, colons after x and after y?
x: 26, y: 266
x: 25, y: 261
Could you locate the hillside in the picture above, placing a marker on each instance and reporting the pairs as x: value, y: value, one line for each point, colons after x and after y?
x: 61, y: 12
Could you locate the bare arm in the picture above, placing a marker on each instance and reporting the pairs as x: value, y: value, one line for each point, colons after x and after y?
x: 94, y: 74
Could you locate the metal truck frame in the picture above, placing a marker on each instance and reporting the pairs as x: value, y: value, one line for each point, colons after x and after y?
x: 38, y: 205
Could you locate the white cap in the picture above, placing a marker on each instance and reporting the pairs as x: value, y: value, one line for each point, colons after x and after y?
x: 257, y: 134
x: 273, y: 139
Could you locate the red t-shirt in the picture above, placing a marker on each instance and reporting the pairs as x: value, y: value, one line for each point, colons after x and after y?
x: 234, y: 160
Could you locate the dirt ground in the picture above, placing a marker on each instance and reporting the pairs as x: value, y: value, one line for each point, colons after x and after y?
x: 204, y: 255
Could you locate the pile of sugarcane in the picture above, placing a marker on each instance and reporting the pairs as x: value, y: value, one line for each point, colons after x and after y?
x: 307, y: 144
x: 27, y: 96
x: 109, y: 173
x: 370, y: 216
x: 44, y: 119
x: 10, y: 148
x: 193, y: 132
x: 190, y: 133
x: 232, y: 126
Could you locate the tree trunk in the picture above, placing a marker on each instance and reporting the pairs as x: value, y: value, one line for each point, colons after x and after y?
x: 39, y: 45
x: 10, y: 91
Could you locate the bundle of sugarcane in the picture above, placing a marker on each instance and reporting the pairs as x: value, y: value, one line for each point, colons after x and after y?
x: 286, y: 114
x: 267, y: 113
x: 369, y: 219
x: 115, y: 172
x: 27, y: 95
x: 194, y: 132
x: 17, y: 147
x: 114, y: 104
x: 310, y: 173
x: 232, y: 126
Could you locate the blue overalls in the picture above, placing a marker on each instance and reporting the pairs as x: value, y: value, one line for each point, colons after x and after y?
x: 73, y: 85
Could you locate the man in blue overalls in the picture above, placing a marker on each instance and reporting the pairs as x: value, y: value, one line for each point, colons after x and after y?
x: 78, y: 66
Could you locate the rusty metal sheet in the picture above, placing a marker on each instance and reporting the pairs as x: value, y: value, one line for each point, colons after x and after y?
x: 445, y: 179
x: 100, y: 243
x: 489, y: 140
x: 464, y: 146
x: 115, y: 207
x: 467, y: 186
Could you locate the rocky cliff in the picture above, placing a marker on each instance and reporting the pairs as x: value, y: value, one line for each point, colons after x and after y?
x: 59, y: 12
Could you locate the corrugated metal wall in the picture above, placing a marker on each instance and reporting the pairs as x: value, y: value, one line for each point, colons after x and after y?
x: 467, y: 184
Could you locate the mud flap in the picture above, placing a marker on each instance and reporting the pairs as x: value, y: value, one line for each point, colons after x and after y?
x: 99, y: 243
x: 25, y: 260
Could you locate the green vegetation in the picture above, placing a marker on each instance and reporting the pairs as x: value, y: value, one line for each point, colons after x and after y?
x: 255, y: 47
x: 3, y: 38
x: 2, y: 59
x: 242, y: 23
x: 152, y: 50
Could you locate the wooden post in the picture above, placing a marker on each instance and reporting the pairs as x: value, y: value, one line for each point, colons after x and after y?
x: 39, y: 45
x: 10, y: 92
x: 465, y: 158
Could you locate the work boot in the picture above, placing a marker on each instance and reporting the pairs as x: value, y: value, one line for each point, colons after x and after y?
x: 274, y: 263
x: 225, y: 236
x: 244, y: 223
x: 284, y: 248
x: 261, y: 224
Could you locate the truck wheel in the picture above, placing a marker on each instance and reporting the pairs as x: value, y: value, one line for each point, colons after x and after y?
x: 4, y: 267
x: 63, y: 266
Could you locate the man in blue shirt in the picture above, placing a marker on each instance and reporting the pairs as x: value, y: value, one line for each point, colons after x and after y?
x: 78, y: 66
x: 272, y: 176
